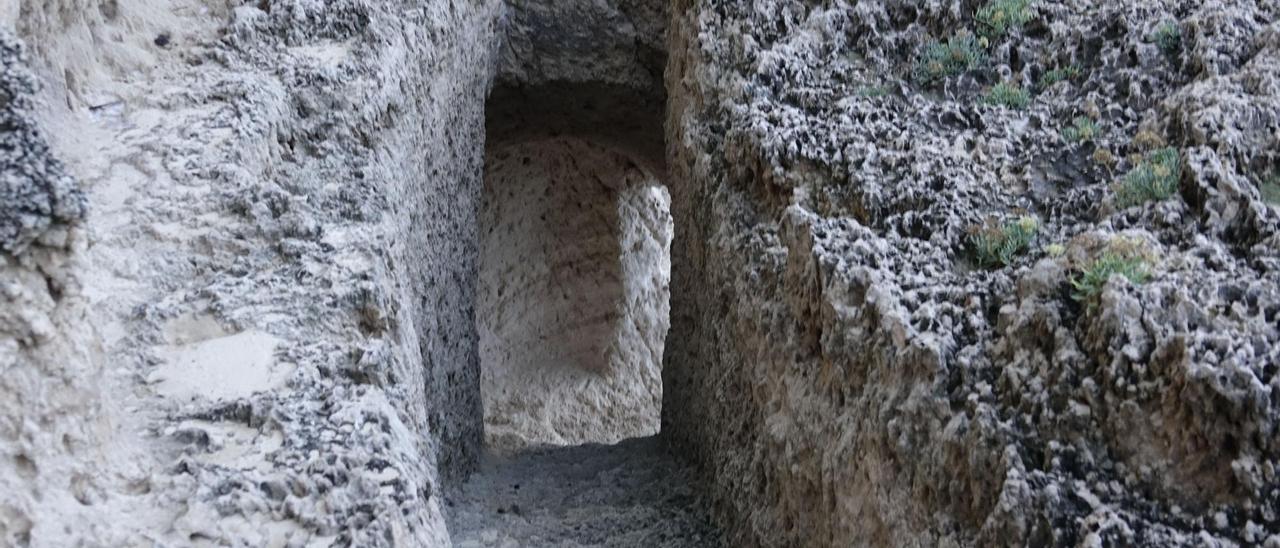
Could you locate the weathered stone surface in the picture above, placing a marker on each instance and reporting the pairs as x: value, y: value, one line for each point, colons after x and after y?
x: 37, y: 197
x: 241, y: 311
x: 589, y: 69
x: 846, y: 375
x: 618, y: 42
x: 573, y: 310
x: 573, y: 296
x: 276, y: 299
x: 47, y: 461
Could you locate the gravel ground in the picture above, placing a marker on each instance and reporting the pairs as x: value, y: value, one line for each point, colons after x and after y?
x: 633, y: 493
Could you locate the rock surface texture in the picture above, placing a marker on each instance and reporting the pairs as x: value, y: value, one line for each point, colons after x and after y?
x: 942, y: 272
x: 573, y: 293
x: 266, y: 336
x: 46, y: 376
x: 846, y: 370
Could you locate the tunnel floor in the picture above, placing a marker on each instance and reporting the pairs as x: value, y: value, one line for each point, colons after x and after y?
x: 630, y: 494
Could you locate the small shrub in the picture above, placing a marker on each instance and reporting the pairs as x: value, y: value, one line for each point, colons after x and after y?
x: 1271, y: 190
x: 1155, y: 178
x: 939, y: 60
x: 998, y: 245
x: 1123, y: 257
x: 1008, y: 95
x: 998, y: 17
x: 1049, y: 78
x: 1082, y: 129
x: 1104, y: 158
x: 1168, y: 37
x: 1147, y: 140
x: 1055, y: 250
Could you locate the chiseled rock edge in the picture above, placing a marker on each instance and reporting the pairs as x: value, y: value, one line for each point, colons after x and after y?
x: 45, y: 376
x: 335, y: 206
x: 844, y: 378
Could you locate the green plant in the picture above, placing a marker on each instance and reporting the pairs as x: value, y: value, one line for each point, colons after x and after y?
x: 1168, y: 37
x: 1082, y: 129
x: 998, y: 17
x: 1008, y: 95
x: 1123, y: 257
x: 872, y: 91
x: 1271, y: 189
x: 999, y: 244
x: 939, y: 60
x: 1060, y: 74
x: 1155, y: 178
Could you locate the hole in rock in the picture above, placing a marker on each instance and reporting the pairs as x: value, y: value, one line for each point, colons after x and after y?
x: 573, y: 293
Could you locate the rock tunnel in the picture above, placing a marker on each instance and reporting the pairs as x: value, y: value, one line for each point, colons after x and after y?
x: 575, y: 229
x: 573, y: 291
x: 272, y: 271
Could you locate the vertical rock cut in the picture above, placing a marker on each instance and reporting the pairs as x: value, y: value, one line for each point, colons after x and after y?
x: 572, y: 302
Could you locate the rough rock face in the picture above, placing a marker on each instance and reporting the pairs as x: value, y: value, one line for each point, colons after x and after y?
x: 38, y: 200
x: 45, y: 375
x: 573, y: 296
x: 275, y: 293
x: 848, y: 373
x: 588, y: 69
x: 241, y: 310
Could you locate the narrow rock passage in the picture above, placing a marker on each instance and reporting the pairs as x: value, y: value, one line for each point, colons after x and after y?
x: 630, y: 494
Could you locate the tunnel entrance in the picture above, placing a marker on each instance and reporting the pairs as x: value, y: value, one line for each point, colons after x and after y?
x: 572, y: 300
x: 572, y: 303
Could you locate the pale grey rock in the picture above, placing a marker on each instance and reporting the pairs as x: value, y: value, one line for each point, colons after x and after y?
x: 51, y: 424
x: 573, y: 295
x: 592, y: 69
x: 276, y: 299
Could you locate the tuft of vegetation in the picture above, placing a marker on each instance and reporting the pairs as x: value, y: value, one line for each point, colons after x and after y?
x: 1168, y: 37
x: 1147, y: 140
x: 1271, y: 189
x: 1055, y: 250
x: 1104, y: 158
x: 1082, y: 129
x: 1008, y: 95
x: 1155, y: 178
x: 872, y: 91
x: 1051, y: 77
x: 1123, y: 257
x: 939, y: 60
x: 998, y: 17
x: 997, y: 245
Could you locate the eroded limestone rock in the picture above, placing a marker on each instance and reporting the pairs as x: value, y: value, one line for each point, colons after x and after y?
x: 290, y: 186
x: 849, y: 376
x: 573, y: 299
